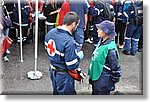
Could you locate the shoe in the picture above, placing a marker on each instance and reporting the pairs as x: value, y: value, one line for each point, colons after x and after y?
x: 23, y: 44
x: 6, y: 59
x: 7, y: 51
x: 126, y: 52
x: 14, y: 40
x: 139, y: 49
x: 27, y: 41
x: 88, y: 41
x: 133, y: 54
x: 121, y: 46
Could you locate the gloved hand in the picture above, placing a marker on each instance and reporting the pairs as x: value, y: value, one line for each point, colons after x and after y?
x: 80, y: 54
x: 81, y: 73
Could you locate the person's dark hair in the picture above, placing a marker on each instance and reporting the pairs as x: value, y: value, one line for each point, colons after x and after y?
x: 70, y: 17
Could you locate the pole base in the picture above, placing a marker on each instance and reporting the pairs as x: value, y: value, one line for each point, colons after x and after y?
x: 34, y: 75
x: 21, y: 61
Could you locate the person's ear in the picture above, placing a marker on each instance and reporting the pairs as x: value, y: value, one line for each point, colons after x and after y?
x: 73, y: 24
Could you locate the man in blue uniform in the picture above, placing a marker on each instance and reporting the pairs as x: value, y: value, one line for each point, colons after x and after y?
x: 102, y: 10
x: 25, y: 21
x: 63, y: 56
x: 97, y: 18
x: 81, y: 8
x: 134, y: 13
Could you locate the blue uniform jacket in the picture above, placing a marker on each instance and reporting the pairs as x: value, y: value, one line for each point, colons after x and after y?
x: 128, y: 11
x: 25, y: 13
x: 118, y: 7
x: 61, y: 49
x: 96, y: 13
x: 80, y: 7
x: 111, y: 72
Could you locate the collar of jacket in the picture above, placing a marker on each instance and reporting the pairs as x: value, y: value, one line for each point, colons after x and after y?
x: 106, y: 41
x: 63, y: 28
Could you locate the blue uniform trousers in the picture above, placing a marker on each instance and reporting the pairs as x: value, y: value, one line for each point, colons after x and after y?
x: 133, y: 33
x: 103, y: 85
x: 79, y: 38
x: 62, y: 82
x: 95, y: 35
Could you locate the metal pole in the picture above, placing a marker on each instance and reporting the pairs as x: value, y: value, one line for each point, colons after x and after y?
x: 34, y: 75
x: 21, y: 52
x: 36, y: 34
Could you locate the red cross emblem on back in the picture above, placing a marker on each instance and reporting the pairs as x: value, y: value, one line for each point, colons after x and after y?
x: 51, y: 48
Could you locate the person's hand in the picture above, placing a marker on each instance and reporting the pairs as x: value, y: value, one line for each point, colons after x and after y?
x: 84, y: 27
x: 127, y: 23
x: 30, y: 15
x: 80, y: 54
x: 119, y: 13
x: 114, y: 19
x: 1, y: 27
x: 58, y: 10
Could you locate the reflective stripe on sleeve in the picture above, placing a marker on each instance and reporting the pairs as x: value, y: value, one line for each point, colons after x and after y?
x: 27, y: 6
x: 79, y: 44
x: 58, y: 53
x: 98, y: 12
x: 132, y: 12
x: 72, y: 62
x: 125, y: 14
x: 106, y: 67
x: 116, y: 71
x: 24, y: 25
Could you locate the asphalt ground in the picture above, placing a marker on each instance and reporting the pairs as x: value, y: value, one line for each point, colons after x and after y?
x: 14, y: 80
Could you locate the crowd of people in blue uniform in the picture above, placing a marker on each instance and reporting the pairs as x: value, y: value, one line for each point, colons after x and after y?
x: 81, y: 21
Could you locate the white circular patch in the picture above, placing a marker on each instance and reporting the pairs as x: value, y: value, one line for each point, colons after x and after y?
x: 51, y: 48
